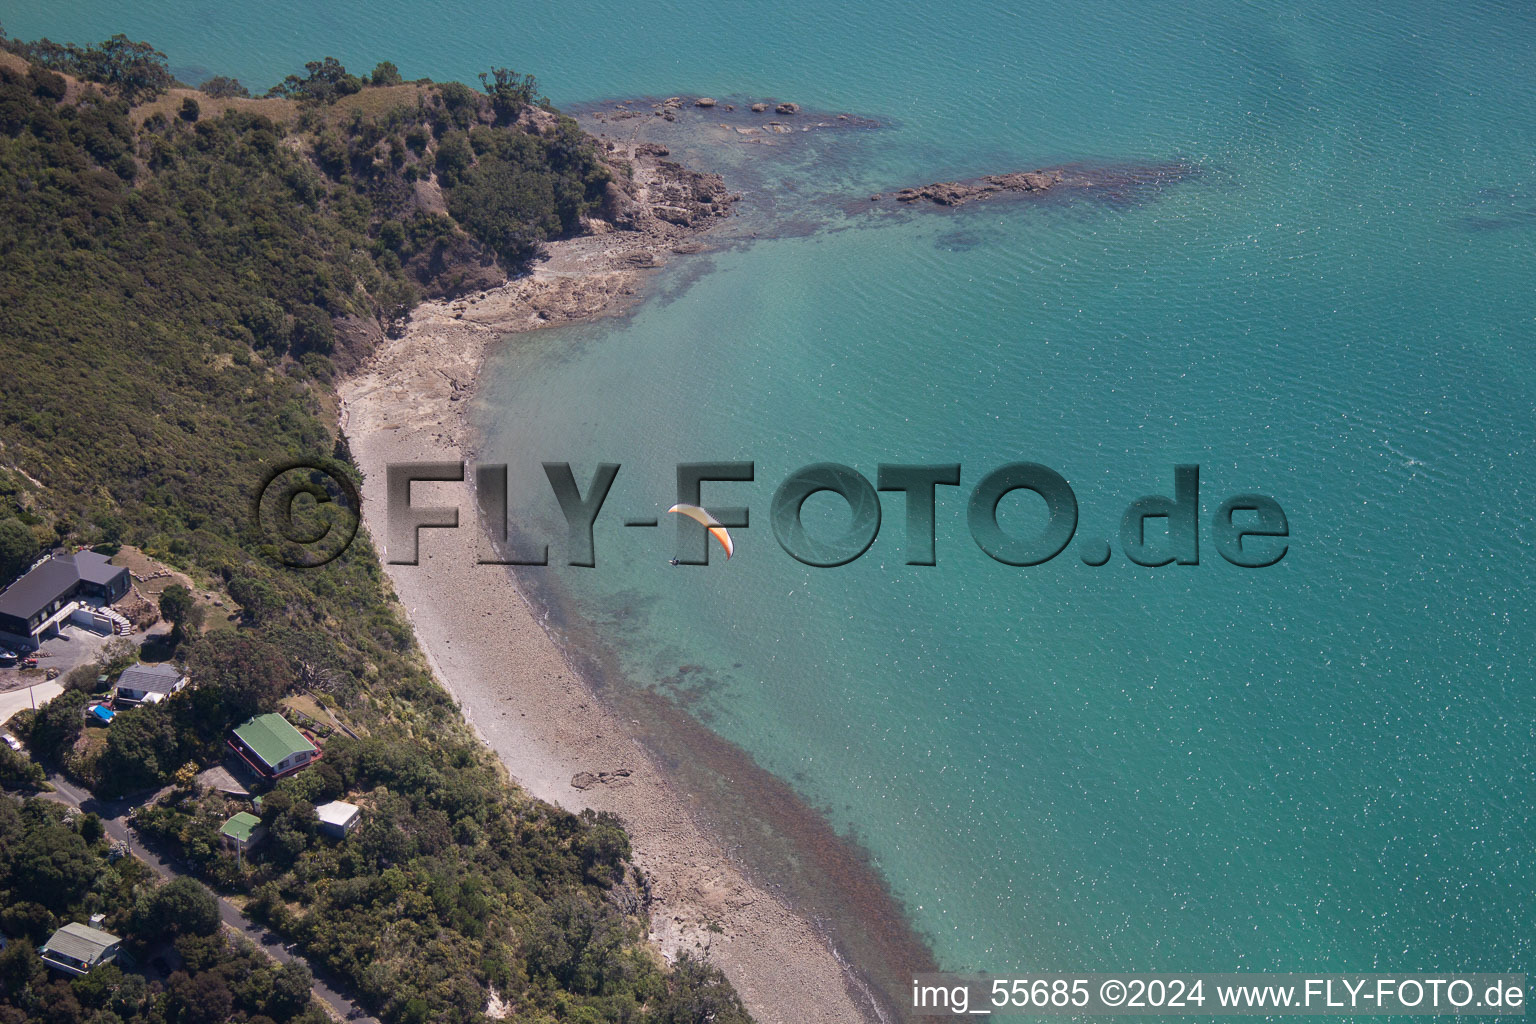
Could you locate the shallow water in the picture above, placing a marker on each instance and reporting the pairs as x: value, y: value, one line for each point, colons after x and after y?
x: 1323, y: 764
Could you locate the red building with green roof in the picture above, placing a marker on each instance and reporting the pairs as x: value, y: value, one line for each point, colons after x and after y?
x: 272, y: 747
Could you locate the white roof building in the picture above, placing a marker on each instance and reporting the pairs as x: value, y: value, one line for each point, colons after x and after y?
x: 338, y: 818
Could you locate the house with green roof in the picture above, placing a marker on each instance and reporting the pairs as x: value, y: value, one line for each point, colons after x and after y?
x: 272, y: 747
x: 242, y: 832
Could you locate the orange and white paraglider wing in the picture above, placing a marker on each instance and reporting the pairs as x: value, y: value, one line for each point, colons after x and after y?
x: 718, y: 532
x: 709, y: 522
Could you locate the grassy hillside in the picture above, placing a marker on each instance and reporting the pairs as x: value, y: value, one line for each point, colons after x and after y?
x: 182, y: 276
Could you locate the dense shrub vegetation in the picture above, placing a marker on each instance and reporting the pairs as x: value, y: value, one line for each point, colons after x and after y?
x: 176, y: 288
x: 55, y: 867
x: 135, y: 71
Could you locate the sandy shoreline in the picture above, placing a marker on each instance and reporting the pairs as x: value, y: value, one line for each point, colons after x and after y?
x: 515, y: 685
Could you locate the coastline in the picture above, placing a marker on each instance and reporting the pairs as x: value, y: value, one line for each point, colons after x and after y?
x: 536, y: 704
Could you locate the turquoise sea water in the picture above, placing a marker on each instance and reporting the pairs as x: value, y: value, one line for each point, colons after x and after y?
x: 1322, y: 765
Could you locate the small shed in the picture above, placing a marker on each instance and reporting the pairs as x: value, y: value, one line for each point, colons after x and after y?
x: 242, y: 832
x: 337, y: 818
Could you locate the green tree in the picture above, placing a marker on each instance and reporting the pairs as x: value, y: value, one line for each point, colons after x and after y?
x: 385, y: 73
x: 459, y: 106
x: 58, y: 724
x: 326, y: 80
x: 95, y: 990
x: 29, y: 918
x: 181, y: 906
x: 20, y: 966
x: 18, y: 771
x: 237, y: 677
x: 509, y: 91
x: 603, y: 847
x: 221, y: 87
x: 258, y: 599
x: 204, y: 998
x: 697, y: 993
x: 130, y: 996
x: 91, y: 828
x: 17, y: 548
x: 52, y: 864
x: 47, y: 84
x: 186, y: 775
x: 137, y: 71
x: 177, y: 606
x: 311, y: 331
x: 142, y: 749
x: 290, y: 990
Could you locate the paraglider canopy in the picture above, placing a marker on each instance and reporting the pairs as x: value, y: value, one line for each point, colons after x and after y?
x: 709, y: 522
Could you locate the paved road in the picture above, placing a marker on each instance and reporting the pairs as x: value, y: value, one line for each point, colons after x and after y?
x: 114, y: 816
x: 13, y: 701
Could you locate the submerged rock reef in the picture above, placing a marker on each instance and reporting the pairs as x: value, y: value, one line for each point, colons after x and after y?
x: 1107, y: 182
x: 958, y: 193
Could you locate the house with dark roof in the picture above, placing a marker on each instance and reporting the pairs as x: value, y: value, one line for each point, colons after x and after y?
x: 33, y: 607
x: 147, y: 684
x: 271, y: 747
x: 99, y: 578
x: 78, y: 948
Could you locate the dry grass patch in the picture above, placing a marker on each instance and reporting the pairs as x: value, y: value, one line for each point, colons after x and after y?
x: 169, y: 105
x: 374, y: 101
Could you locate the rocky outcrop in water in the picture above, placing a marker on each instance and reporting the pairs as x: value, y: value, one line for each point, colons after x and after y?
x: 1115, y: 184
x: 688, y: 198
x: 665, y: 193
x: 958, y: 193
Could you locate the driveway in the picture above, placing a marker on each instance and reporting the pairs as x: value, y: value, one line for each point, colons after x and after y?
x: 72, y: 648
x: 114, y: 816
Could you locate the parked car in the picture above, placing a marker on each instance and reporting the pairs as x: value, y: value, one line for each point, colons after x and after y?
x: 11, y: 741
x: 8, y: 657
x: 29, y: 663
